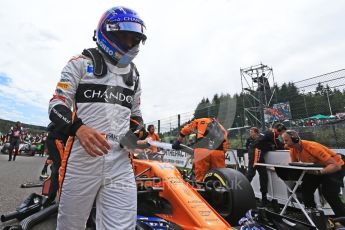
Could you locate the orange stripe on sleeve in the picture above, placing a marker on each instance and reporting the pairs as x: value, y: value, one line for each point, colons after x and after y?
x: 64, y: 161
x: 59, y: 146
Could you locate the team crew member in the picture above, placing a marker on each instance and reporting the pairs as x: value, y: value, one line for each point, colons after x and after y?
x: 210, y: 146
x: 267, y: 141
x: 154, y: 137
x: 103, y: 87
x: 252, y: 152
x: 330, y: 177
x: 15, y: 139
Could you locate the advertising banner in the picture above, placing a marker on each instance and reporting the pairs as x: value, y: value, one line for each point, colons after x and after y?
x: 278, y: 112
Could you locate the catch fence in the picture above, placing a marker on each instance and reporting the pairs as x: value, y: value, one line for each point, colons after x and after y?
x: 315, y: 107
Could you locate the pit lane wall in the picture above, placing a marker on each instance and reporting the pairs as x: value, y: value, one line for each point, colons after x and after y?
x: 277, y: 189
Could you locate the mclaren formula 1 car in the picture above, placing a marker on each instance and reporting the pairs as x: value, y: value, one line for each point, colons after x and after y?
x: 221, y: 199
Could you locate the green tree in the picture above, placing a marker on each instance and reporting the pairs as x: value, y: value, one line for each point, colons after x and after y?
x: 203, y: 109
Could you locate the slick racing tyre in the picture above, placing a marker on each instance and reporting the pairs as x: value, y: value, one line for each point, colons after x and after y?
x: 229, y: 192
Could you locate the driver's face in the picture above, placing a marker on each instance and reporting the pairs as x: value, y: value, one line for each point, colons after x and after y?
x: 128, y: 38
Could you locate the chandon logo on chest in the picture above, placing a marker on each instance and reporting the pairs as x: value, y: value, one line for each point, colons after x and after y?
x: 91, y: 93
x: 107, y: 95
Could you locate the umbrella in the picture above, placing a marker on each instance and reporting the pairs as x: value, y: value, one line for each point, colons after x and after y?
x: 319, y: 116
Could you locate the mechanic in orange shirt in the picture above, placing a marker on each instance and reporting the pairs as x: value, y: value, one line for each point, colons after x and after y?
x: 154, y: 137
x: 210, y: 146
x: 330, y: 177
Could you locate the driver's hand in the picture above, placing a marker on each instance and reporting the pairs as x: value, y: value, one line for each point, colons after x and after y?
x: 92, y: 141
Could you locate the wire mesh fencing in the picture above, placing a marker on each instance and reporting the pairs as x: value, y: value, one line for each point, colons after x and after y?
x: 318, y: 108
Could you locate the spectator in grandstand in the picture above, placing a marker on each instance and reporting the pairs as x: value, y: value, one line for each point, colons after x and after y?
x: 8, y: 137
x: 15, y: 139
x: 2, y: 139
x: 26, y: 137
x: 267, y: 141
x: 330, y: 177
x: 39, y: 142
x: 253, y: 135
x: 210, y: 146
x: 43, y: 139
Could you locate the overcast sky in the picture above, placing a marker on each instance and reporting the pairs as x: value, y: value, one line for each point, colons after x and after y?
x: 195, y: 48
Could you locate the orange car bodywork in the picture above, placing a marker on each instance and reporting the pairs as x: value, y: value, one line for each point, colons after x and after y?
x: 189, y: 210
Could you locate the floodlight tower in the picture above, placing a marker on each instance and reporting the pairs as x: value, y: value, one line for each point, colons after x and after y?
x: 257, y: 93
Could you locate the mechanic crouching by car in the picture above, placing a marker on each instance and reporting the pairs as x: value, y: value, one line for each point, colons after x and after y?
x: 15, y: 139
x: 330, y: 177
x: 210, y: 147
x: 104, y: 85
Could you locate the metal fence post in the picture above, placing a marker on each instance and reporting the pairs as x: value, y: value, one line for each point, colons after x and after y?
x: 159, y: 126
x: 178, y: 120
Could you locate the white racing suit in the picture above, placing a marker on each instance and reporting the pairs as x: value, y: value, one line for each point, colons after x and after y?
x: 105, y: 104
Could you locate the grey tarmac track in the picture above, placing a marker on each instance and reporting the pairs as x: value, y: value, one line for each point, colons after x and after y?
x: 12, y: 175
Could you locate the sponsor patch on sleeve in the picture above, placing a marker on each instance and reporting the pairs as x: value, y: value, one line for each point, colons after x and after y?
x: 63, y: 85
x: 89, y: 68
x: 64, y: 79
x: 59, y: 92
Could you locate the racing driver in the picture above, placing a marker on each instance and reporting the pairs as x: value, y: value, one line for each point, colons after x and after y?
x: 102, y: 87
